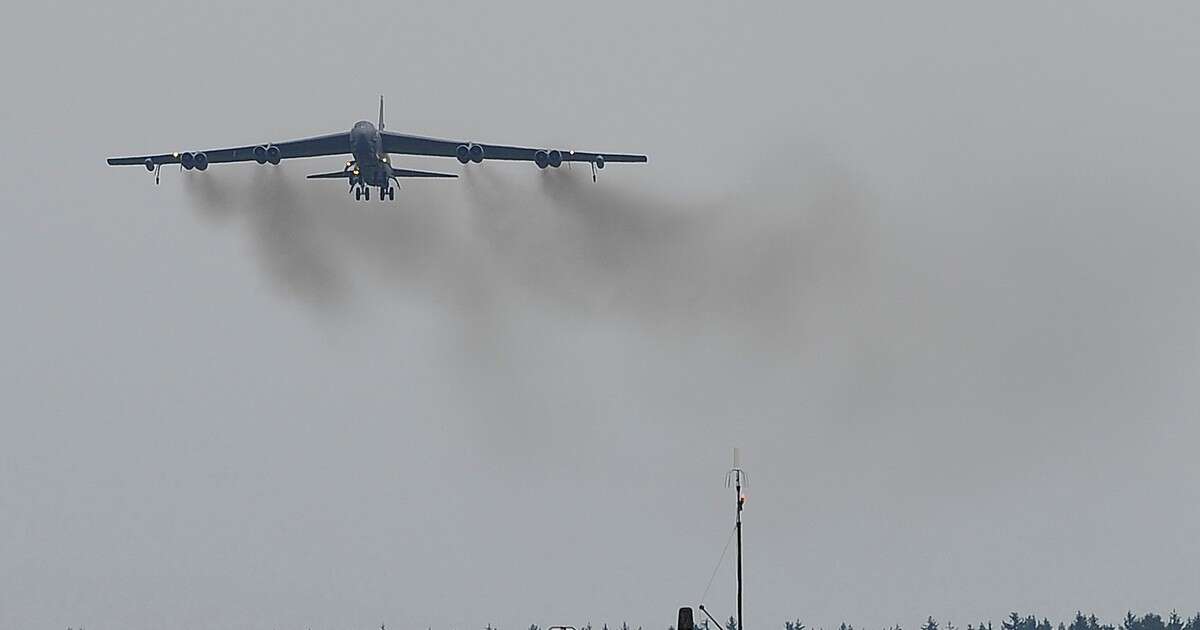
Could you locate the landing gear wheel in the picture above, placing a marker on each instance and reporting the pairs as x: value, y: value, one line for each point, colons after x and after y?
x: 358, y: 194
x: 367, y: 193
x: 391, y: 194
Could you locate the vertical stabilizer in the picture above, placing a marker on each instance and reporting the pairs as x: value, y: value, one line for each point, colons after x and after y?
x: 381, y: 112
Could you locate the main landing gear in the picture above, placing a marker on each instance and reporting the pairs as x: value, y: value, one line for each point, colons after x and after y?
x: 364, y: 193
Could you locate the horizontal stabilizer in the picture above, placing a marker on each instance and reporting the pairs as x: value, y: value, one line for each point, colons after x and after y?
x: 404, y: 172
x: 396, y: 172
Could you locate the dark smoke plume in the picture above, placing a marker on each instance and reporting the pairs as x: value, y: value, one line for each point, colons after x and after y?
x: 768, y: 258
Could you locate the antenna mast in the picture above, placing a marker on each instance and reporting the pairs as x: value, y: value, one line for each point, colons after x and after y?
x: 735, y: 478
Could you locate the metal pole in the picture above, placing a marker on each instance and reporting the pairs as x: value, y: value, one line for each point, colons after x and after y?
x: 738, y: 475
x: 735, y: 475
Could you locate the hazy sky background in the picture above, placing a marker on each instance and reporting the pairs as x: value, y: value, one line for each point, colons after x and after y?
x: 931, y: 265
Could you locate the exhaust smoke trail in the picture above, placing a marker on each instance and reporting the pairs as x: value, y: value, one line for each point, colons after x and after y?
x: 765, y: 260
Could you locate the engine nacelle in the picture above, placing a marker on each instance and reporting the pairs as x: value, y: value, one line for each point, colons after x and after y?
x: 149, y: 164
x: 599, y: 161
x: 555, y: 158
x: 273, y: 154
x: 260, y: 154
x: 187, y: 159
x: 541, y: 158
x: 476, y: 153
x: 463, y: 153
x: 201, y: 161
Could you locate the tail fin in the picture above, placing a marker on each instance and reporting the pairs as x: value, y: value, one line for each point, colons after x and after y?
x: 381, y: 112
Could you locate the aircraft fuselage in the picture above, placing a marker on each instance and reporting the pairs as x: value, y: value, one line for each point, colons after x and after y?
x: 371, y: 165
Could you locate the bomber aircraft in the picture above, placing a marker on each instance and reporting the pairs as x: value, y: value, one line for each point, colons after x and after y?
x: 369, y: 147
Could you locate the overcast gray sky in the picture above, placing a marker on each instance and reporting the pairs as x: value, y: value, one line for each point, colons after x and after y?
x: 931, y: 265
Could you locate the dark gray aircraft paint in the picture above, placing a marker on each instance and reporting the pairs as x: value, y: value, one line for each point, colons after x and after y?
x: 370, y: 146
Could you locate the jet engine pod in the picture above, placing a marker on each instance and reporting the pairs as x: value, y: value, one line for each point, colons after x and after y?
x: 555, y: 157
x: 260, y: 154
x: 599, y: 161
x: 201, y: 161
x: 187, y: 159
x: 463, y: 153
x: 541, y: 158
x: 149, y: 164
x: 476, y: 153
x: 273, y: 154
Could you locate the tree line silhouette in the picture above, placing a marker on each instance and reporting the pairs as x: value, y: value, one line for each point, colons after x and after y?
x: 1015, y: 621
